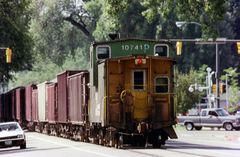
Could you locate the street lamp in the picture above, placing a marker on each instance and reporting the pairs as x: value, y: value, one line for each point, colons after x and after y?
x: 180, y: 24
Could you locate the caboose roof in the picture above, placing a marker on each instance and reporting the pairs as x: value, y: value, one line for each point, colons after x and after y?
x: 129, y: 57
x: 128, y: 39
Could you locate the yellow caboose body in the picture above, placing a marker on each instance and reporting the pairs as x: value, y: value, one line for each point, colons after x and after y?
x: 137, y: 97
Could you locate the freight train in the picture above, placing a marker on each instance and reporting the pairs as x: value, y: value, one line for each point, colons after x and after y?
x: 126, y: 97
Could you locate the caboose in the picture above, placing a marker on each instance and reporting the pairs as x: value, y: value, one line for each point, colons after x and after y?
x: 131, y: 93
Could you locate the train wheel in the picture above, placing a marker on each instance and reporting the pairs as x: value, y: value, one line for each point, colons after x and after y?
x: 120, y: 142
x: 100, y: 137
x: 115, y: 143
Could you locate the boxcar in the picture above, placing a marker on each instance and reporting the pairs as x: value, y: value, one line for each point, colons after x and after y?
x: 51, y: 112
x: 63, y: 102
x: 78, y: 103
x: 35, y: 117
x: 42, y: 106
x: 30, y: 100
x: 20, y: 105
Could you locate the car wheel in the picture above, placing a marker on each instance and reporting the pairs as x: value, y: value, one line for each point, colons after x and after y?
x: 228, y: 126
x: 23, y: 146
x: 198, y: 127
x: 189, y: 126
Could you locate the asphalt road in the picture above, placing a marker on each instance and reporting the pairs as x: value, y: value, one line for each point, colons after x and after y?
x: 207, y: 143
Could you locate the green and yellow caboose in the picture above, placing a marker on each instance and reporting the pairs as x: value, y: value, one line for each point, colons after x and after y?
x: 131, y: 92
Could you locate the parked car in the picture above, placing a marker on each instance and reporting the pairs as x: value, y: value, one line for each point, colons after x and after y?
x: 211, y: 117
x: 11, y: 134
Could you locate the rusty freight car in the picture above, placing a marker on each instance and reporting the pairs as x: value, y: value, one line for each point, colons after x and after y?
x: 63, y: 125
x: 51, y: 109
x: 78, y: 93
x: 30, y: 111
x: 20, y: 105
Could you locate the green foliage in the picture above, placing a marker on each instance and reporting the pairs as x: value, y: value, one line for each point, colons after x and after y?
x: 232, y: 76
x: 54, y: 38
x: 14, y: 25
x: 58, y: 45
x: 106, y: 24
x: 117, y: 7
x: 208, y: 13
x: 184, y: 99
x: 45, y: 70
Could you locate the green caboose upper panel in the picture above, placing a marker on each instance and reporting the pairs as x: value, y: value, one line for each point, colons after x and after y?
x: 125, y: 47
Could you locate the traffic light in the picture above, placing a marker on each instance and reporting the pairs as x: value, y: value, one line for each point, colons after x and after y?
x: 238, y: 47
x: 8, y: 55
x: 179, y: 47
x: 214, y: 88
x: 222, y: 88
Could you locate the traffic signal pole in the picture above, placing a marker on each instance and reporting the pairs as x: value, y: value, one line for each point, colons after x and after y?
x: 217, y: 77
x: 8, y: 53
x: 209, y: 41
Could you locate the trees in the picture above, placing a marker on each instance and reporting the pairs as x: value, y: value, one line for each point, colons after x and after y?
x: 209, y: 13
x: 14, y: 26
x: 58, y: 45
x: 54, y: 38
x: 184, y: 99
x: 233, y: 92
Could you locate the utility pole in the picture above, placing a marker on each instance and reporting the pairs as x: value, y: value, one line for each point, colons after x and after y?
x: 217, y: 77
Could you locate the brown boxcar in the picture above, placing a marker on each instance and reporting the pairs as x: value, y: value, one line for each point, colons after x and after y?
x: 51, y: 102
x: 28, y: 99
x: 62, y: 108
x: 78, y: 97
x: 20, y: 104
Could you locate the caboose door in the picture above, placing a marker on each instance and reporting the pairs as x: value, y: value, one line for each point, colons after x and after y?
x: 139, y: 89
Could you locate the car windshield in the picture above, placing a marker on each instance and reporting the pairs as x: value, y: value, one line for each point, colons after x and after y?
x: 9, y: 127
x: 222, y: 112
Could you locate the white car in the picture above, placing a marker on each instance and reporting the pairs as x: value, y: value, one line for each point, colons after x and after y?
x: 11, y: 134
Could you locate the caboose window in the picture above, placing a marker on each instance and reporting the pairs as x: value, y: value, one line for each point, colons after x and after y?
x: 138, y: 79
x: 161, y: 50
x: 161, y: 85
x: 103, y: 52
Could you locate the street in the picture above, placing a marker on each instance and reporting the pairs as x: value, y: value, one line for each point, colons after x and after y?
x: 207, y: 143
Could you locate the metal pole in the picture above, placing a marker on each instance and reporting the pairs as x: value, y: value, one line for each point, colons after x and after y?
x: 209, y: 87
x: 227, y: 91
x: 217, y: 77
